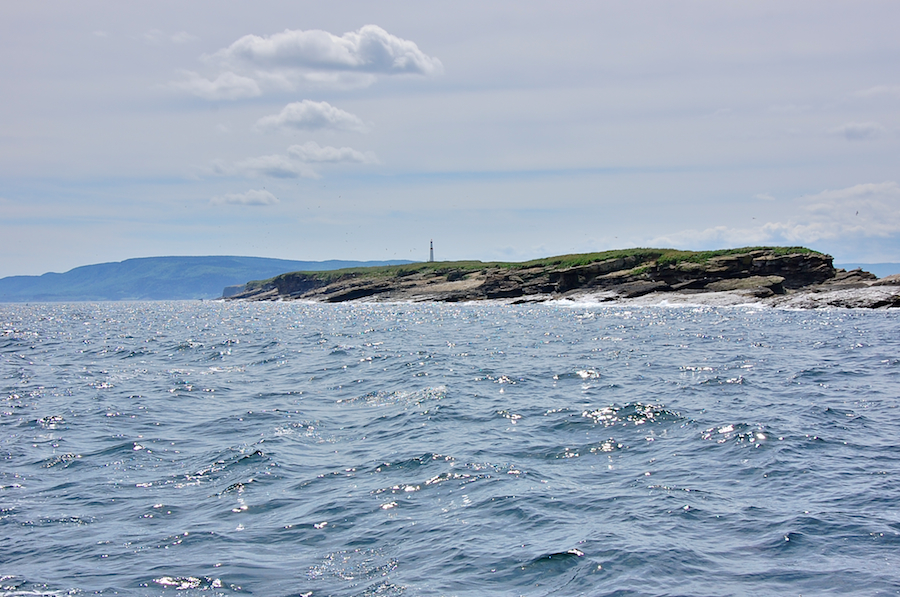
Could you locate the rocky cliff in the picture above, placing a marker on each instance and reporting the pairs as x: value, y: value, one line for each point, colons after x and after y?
x: 762, y: 273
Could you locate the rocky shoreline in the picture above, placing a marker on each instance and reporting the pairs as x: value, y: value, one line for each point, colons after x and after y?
x: 781, y: 277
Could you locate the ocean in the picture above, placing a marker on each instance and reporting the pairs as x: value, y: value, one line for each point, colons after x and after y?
x: 290, y: 449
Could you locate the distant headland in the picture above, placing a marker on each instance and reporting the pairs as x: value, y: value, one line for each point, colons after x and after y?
x: 794, y: 277
x: 157, y: 278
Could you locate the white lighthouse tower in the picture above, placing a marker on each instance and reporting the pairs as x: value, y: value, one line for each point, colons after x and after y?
x: 431, y: 252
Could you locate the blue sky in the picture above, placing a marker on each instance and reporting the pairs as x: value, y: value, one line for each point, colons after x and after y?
x: 502, y: 130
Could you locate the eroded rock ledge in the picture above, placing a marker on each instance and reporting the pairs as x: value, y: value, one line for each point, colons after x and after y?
x: 792, y: 276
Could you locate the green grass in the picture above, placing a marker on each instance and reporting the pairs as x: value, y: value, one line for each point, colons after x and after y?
x: 642, y: 257
x: 673, y: 257
x: 385, y: 271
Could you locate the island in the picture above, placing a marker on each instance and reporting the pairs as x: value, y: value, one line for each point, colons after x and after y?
x: 793, y: 277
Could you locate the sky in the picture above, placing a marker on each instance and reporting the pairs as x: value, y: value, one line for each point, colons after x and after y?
x: 503, y: 130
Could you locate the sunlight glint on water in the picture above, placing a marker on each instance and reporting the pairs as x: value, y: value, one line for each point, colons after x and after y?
x: 183, y: 448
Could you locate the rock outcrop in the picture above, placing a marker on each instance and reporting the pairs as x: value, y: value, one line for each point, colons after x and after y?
x: 773, y: 275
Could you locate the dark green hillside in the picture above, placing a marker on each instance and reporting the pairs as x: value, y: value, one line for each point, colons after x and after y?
x: 156, y: 278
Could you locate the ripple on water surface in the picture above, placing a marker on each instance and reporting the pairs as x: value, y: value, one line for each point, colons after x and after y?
x: 291, y: 449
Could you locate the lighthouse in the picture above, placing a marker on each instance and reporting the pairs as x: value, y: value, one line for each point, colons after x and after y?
x: 431, y: 252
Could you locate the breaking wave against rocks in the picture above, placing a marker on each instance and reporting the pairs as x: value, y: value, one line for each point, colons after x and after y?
x: 289, y: 449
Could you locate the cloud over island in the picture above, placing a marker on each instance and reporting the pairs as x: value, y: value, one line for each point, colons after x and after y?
x: 863, y: 211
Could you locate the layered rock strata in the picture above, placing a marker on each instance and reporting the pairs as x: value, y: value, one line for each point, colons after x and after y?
x: 767, y: 275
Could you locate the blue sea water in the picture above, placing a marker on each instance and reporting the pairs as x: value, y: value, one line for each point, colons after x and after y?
x: 287, y: 449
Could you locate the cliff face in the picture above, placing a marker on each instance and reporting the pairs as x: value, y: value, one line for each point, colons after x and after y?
x: 759, y: 268
x: 759, y: 273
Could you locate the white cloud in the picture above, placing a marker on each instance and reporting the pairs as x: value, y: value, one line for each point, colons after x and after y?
x: 889, y: 90
x: 856, y: 131
x: 370, y: 49
x: 227, y: 85
x: 252, y: 197
x: 282, y: 61
x: 716, y: 237
x: 764, y: 197
x: 310, y: 115
x: 298, y: 162
x: 870, y: 210
x: 867, y: 210
x: 183, y: 37
x: 276, y: 166
x: 154, y: 36
x: 313, y: 152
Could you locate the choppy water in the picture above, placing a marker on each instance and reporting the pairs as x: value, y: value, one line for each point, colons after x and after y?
x: 285, y: 449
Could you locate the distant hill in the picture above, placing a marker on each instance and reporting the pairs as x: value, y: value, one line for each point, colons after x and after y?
x: 879, y: 269
x: 159, y: 278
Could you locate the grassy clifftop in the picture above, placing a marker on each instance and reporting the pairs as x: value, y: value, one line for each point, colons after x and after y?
x: 629, y: 270
x: 559, y: 262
